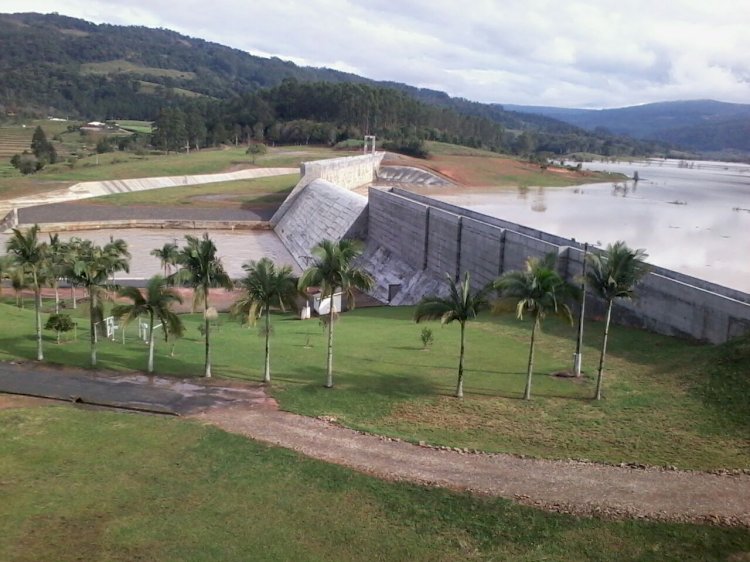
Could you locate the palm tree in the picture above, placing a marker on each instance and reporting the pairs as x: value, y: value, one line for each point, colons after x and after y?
x: 201, y: 269
x: 461, y: 305
x: 6, y: 268
x: 265, y: 286
x: 55, y: 266
x: 155, y: 304
x: 70, y: 251
x: 167, y: 255
x: 333, y: 270
x: 614, y: 275
x: 91, y: 269
x: 538, y: 290
x: 29, y: 255
x: 19, y: 280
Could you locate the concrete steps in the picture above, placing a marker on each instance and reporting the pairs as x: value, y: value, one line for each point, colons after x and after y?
x: 411, y: 176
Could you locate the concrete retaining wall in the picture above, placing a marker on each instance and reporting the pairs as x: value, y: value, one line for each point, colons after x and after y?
x: 432, y: 238
x: 206, y: 225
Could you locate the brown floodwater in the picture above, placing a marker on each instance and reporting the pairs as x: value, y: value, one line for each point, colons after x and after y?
x: 692, y: 217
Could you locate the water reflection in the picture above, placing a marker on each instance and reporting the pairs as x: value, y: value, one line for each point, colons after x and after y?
x: 693, y: 218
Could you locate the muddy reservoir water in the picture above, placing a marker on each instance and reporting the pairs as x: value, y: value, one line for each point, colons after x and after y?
x: 693, y: 217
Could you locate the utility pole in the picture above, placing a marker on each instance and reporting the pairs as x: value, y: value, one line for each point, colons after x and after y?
x: 579, y: 341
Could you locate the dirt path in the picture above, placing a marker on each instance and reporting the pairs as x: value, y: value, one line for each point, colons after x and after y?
x: 570, y: 487
x: 564, y: 486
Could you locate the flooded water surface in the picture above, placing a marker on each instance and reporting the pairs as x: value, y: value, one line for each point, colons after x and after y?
x: 692, y: 217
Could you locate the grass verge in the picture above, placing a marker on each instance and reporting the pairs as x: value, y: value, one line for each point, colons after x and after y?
x: 89, y: 485
x: 663, y: 404
x: 241, y: 193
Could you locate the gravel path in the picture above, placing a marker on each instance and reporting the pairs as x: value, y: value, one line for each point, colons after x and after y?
x: 570, y: 487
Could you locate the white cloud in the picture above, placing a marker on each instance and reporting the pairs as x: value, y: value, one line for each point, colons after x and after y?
x: 598, y: 53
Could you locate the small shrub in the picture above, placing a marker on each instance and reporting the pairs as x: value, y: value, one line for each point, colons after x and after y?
x: 427, y: 338
x: 61, y: 323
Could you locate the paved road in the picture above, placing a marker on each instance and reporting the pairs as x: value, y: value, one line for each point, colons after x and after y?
x: 131, y: 391
x: 77, y: 212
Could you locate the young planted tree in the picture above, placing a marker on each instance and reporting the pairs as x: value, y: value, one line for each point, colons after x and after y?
x: 201, y: 269
x: 168, y: 255
x: 29, y: 255
x: 461, y: 305
x: 538, y: 290
x: 155, y: 303
x: 92, y: 269
x: 331, y: 271
x: 264, y: 286
x: 614, y: 275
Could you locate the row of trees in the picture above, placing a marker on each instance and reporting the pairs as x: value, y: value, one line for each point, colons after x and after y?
x: 538, y: 290
x: 195, y: 265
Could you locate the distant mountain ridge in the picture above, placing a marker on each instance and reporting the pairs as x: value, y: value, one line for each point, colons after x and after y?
x: 58, y: 65
x: 703, y: 125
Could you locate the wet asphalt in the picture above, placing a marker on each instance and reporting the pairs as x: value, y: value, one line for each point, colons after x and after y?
x: 138, y: 392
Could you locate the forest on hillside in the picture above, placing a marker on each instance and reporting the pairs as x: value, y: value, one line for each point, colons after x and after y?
x: 202, y: 93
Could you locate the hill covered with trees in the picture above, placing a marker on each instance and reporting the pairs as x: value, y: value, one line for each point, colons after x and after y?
x: 203, y: 93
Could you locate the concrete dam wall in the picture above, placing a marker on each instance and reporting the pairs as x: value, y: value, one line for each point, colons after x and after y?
x: 413, y: 241
x: 348, y: 172
x: 412, y: 237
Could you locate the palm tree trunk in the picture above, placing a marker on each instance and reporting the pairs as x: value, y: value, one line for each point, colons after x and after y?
x: 530, y: 370
x: 38, y: 310
x: 92, y: 328
x: 267, y: 370
x: 460, y: 384
x: 207, y: 372
x: 150, y: 367
x: 73, y: 296
x: 329, y: 363
x: 57, y: 298
x: 604, y: 352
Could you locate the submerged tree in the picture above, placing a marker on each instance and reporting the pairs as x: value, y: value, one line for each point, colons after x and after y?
x: 264, y: 286
x: 538, y: 290
x: 461, y: 305
x: 614, y: 275
x: 333, y: 270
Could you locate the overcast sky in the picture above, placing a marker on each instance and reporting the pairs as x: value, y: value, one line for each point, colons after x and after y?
x: 574, y: 53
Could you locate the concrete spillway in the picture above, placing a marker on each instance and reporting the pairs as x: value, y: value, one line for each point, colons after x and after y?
x: 411, y: 176
x: 321, y: 211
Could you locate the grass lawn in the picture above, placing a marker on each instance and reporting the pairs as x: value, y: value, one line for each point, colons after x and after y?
x: 261, y: 191
x: 667, y: 401
x: 91, y: 485
x: 124, y: 165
